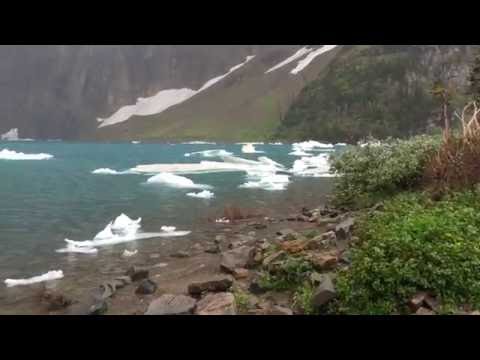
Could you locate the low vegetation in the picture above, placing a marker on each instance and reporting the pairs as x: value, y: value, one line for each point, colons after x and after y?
x: 375, y: 171
x: 415, y: 244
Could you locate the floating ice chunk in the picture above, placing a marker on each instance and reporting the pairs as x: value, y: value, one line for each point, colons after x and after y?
x: 299, y: 153
x: 51, y: 275
x: 168, y: 229
x: 136, y: 142
x: 71, y: 248
x: 276, y: 143
x: 250, y: 149
x: 199, y: 143
x: 313, y: 166
x: 6, y: 154
x: 205, y: 194
x: 229, y: 164
x: 175, y: 181
x: 340, y: 144
x: 222, y: 221
x: 121, y: 230
x: 302, y: 64
x: 127, y: 253
x: 266, y: 181
x: 210, y: 153
x: 108, y: 171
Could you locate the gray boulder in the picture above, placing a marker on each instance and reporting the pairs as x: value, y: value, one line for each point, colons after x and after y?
x: 137, y: 273
x: 241, y: 257
x: 222, y: 303
x: 146, y: 287
x: 324, y: 293
x: 214, y: 285
x: 169, y: 304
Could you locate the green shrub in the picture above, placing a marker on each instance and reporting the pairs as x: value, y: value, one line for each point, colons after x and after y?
x: 303, y: 296
x: 289, y: 274
x: 370, y: 173
x: 415, y: 244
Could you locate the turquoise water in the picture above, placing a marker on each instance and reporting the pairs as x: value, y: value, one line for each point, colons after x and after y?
x: 44, y: 202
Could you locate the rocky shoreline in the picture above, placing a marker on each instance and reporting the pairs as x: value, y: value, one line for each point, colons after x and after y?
x: 223, y: 276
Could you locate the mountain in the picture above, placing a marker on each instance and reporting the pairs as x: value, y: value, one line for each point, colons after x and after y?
x: 223, y: 92
x: 378, y: 90
x: 60, y: 91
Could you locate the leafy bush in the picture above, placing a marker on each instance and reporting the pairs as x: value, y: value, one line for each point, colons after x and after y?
x: 415, y: 244
x: 288, y: 275
x: 302, y: 298
x: 374, y: 171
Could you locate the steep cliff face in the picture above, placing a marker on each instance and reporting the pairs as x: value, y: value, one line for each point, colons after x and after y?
x: 381, y: 90
x: 224, y: 92
x: 59, y: 91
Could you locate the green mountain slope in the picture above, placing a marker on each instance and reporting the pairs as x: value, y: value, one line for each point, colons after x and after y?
x: 378, y: 90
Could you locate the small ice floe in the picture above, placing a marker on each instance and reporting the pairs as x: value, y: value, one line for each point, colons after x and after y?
x: 312, y: 166
x: 127, y: 253
x: 199, y: 143
x: 121, y: 230
x: 266, y: 181
x: 6, y: 154
x: 71, y: 248
x: 108, y: 171
x: 136, y: 142
x: 176, y: 181
x: 276, y: 143
x: 168, y: 229
x: 205, y: 194
x: 250, y: 149
x: 340, y: 144
x: 51, y: 275
x: 222, y: 221
x: 210, y: 153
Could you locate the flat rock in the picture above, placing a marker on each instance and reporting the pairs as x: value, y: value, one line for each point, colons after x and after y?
x: 278, y: 255
x: 294, y: 246
x: 180, y: 254
x: 170, y: 304
x: 241, y: 273
x: 343, y: 231
x: 215, y: 285
x: 424, y: 311
x: 324, y: 293
x: 287, y: 234
x: 222, y: 303
x: 146, y: 287
x: 137, y: 273
x: 213, y: 249
x: 323, y: 261
x: 55, y: 300
x: 417, y: 301
x: 241, y: 257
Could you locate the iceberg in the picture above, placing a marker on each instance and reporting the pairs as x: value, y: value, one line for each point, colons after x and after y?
x: 51, y: 275
x: 6, y: 154
x: 121, y: 230
x: 210, y: 153
x: 176, y: 181
x: 205, y: 194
